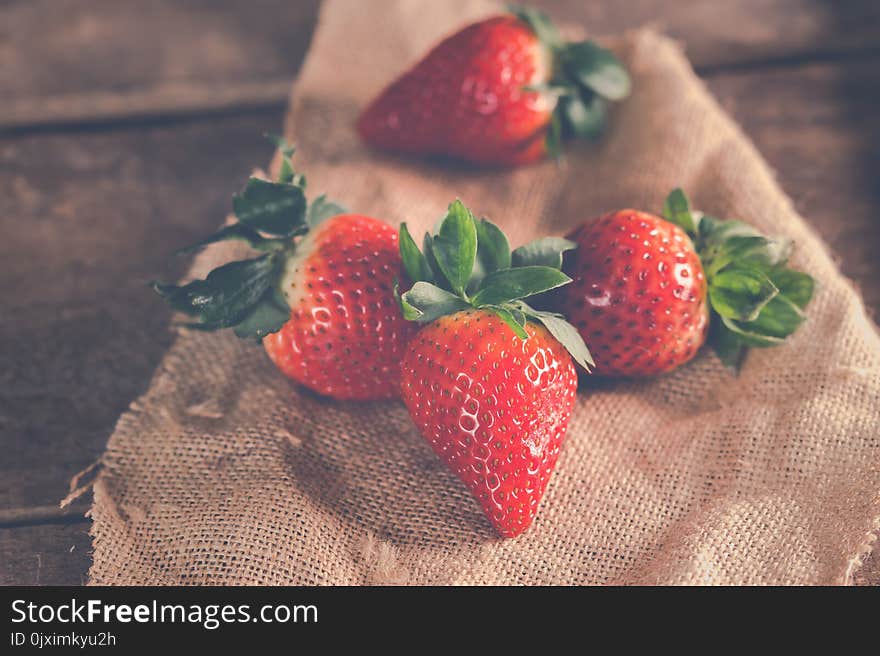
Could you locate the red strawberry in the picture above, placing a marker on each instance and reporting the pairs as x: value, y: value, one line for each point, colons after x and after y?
x: 488, y: 381
x: 644, y: 288
x: 320, y: 298
x: 501, y: 91
x: 493, y: 406
x: 346, y: 335
x: 639, y: 293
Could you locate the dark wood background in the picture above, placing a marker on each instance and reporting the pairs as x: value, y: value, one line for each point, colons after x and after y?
x: 126, y: 125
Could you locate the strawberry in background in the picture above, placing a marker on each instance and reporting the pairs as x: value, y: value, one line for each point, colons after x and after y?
x: 489, y: 381
x: 649, y: 291
x: 504, y: 91
x: 320, y: 297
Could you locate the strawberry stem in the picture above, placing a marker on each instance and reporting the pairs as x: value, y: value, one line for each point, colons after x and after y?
x: 585, y: 77
x: 755, y: 298
x: 244, y: 295
x: 468, y: 264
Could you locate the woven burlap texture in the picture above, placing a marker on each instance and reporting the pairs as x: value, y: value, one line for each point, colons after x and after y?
x: 224, y: 472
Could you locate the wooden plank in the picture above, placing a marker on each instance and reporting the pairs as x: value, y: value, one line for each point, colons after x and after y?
x: 73, y: 60
x: 102, y: 60
x: 45, y: 555
x: 741, y: 33
x: 157, y: 101
x: 88, y: 219
x: 40, y: 515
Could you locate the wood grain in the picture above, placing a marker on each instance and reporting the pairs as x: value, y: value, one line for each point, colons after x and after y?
x: 68, y: 61
x: 82, y: 333
x: 45, y: 555
x: 39, y: 515
x: 743, y: 33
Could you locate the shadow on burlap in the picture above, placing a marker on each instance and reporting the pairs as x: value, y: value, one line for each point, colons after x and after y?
x: 224, y: 472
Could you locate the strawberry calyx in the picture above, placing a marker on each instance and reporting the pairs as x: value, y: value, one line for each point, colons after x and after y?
x: 467, y: 263
x: 244, y: 295
x: 755, y: 299
x: 584, y: 78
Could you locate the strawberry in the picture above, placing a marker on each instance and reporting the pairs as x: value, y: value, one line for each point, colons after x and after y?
x: 648, y: 291
x: 320, y: 297
x: 503, y: 91
x: 345, y: 336
x: 488, y: 380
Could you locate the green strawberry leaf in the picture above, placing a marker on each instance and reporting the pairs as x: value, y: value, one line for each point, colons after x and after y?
x: 714, y: 232
x: 584, y: 75
x: 416, y: 265
x: 540, y: 24
x: 455, y: 246
x: 741, y: 293
x: 584, y: 115
x: 267, y: 316
x: 771, y: 253
x: 513, y: 318
x: 274, y: 208
x: 564, y: 333
x: 493, y: 249
x: 286, y: 173
x: 242, y: 295
x: 471, y: 266
x: 227, y: 295
x: 597, y: 69
x: 721, y: 242
x: 553, y: 140
x: 797, y: 287
x: 322, y: 209
x: 516, y: 283
x: 546, y: 251
x: 517, y: 313
x: 779, y: 318
x: 726, y: 344
x: 425, y: 302
x: 677, y: 210
x: 738, y: 249
x: 493, y: 252
x: 551, y: 89
x: 707, y: 228
x: 749, y: 337
x: 735, y: 246
x: 756, y: 301
x: 428, y: 250
x: 238, y: 231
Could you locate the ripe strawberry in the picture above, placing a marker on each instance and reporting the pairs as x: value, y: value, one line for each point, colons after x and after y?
x: 488, y: 381
x: 645, y: 287
x: 320, y: 297
x: 345, y: 336
x: 493, y: 406
x: 639, y: 293
x: 502, y: 91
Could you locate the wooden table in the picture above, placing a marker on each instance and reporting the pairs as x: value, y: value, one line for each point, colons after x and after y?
x: 124, y: 127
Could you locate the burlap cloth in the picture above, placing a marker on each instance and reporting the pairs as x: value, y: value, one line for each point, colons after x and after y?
x: 225, y: 472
